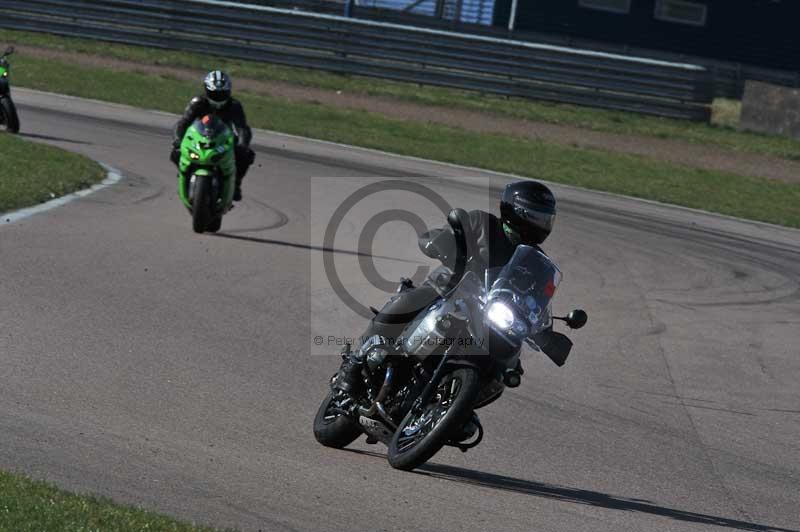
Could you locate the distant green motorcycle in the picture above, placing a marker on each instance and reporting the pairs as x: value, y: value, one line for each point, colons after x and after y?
x: 207, y: 172
x: 8, y: 112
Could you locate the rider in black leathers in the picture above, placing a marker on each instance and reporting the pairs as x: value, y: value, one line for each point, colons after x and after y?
x: 218, y: 101
x: 527, y: 212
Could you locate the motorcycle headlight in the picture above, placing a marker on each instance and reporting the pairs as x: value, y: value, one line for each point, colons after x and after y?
x: 193, y: 156
x: 5, y: 74
x: 501, y: 315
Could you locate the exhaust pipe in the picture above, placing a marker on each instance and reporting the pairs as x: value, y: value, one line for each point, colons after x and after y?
x: 377, y: 407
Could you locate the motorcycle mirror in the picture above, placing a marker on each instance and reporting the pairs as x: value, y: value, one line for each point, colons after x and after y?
x: 576, y: 319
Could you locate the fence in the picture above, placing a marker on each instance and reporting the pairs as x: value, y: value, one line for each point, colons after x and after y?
x: 372, y: 48
x: 480, y: 12
x: 727, y: 77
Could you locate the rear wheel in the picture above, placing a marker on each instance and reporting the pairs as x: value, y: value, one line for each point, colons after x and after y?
x: 332, y: 427
x: 422, y: 434
x: 10, y: 119
x: 201, y: 203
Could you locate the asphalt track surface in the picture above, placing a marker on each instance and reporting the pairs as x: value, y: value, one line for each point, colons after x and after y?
x: 179, y: 372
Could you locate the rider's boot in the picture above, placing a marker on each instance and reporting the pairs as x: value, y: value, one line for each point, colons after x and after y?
x: 349, y: 379
x: 237, y: 192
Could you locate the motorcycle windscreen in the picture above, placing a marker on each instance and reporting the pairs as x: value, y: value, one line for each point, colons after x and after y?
x: 528, y: 282
x: 469, y: 304
x: 439, y: 244
x: 465, y: 304
x: 211, y: 127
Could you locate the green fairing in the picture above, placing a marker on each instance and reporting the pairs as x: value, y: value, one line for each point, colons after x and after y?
x: 9, y: 119
x: 208, y: 149
x: 5, y: 75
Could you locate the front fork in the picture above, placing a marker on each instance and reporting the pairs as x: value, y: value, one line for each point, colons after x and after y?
x: 430, y: 389
x: 433, y: 383
x: 221, y: 189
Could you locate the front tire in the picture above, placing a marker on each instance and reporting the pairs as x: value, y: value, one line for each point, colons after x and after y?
x: 215, y: 225
x: 333, y: 430
x: 420, y: 436
x: 201, y: 203
x: 10, y: 117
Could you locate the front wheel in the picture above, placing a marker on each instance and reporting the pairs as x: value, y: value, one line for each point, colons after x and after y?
x: 10, y: 118
x: 201, y: 203
x: 333, y: 428
x: 421, y: 434
x: 215, y: 225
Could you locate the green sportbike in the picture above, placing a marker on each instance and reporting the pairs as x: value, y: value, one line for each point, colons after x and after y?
x: 9, y: 120
x: 207, y: 172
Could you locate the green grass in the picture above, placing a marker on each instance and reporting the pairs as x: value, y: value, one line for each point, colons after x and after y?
x: 28, y: 506
x: 723, y: 134
x: 754, y: 198
x: 33, y: 173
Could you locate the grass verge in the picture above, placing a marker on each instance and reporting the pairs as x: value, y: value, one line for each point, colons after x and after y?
x: 34, y: 173
x: 27, y: 505
x: 721, y: 134
x: 747, y: 197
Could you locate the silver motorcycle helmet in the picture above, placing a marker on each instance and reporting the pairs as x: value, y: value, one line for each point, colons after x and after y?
x: 218, y: 88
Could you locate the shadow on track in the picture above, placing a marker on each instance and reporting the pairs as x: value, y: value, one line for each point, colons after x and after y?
x: 274, y: 242
x: 577, y: 496
x: 55, y: 139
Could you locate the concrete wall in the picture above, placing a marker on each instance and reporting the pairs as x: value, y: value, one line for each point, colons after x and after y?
x: 771, y: 109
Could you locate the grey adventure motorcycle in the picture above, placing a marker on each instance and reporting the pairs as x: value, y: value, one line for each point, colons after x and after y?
x: 8, y: 111
x: 457, y: 355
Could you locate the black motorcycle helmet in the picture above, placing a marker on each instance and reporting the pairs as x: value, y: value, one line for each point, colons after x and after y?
x: 218, y: 88
x: 528, y: 208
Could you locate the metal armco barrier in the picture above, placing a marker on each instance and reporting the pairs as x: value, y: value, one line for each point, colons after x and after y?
x: 384, y: 50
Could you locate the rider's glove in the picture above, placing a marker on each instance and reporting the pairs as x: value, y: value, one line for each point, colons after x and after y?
x: 175, y: 156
